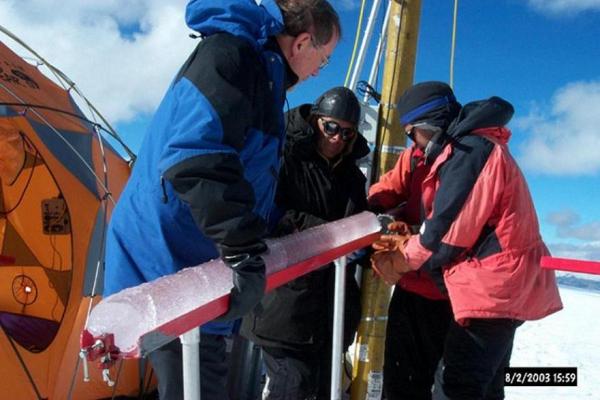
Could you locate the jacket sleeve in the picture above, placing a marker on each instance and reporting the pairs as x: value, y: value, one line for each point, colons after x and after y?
x: 291, y: 218
x: 392, y: 187
x: 212, y: 112
x: 470, y: 186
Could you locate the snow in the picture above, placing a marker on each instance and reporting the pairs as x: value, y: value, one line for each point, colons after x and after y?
x: 569, y: 338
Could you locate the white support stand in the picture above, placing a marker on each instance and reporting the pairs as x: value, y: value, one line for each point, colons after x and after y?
x: 338, y: 328
x: 190, y: 346
x: 378, y: 50
x: 363, y: 47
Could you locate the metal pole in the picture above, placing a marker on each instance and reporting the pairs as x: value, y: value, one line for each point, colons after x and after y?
x: 378, y: 52
x: 453, y: 43
x: 363, y: 47
x: 338, y: 328
x: 190, y: 346
x: 401, y: 46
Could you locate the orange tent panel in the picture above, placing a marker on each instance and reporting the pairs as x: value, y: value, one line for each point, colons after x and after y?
x: 55, y: 201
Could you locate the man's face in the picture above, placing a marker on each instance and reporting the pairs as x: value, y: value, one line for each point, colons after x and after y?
x: 307, y: 57
x: 419, y: 136
x: 334, y: 135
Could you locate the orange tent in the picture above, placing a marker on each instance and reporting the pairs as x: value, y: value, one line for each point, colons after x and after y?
x: 58, y: 182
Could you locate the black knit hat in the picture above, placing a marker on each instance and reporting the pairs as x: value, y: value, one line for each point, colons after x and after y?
x: 432, y: 102
x: 340, y: 103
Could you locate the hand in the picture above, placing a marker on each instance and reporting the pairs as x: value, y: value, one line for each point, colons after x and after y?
x: 395, y: 241
x: 399, y: 228
x: 249, y: 281
x: 389, y: 261
x: 390, y: 265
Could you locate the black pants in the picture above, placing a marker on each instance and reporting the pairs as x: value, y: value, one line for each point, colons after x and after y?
x: 297, y: 375
x: 474, y: 360
x: 414, y: 344
x: 167, y: 365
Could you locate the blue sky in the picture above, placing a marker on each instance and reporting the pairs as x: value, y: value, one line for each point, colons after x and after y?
x: 541, y: 55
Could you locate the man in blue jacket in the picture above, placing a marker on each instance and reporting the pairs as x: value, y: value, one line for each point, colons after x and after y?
x: 205, y: 177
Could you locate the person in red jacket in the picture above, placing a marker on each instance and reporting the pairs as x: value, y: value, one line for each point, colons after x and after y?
x: 479, y: 239
x: 419, y: 313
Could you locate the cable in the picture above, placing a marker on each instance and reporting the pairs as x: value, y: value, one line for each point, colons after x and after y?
x: 364, y: 89
x: 453, y: 44
x: 356, y: 38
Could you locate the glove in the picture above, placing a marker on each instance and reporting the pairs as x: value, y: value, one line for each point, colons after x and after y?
x: 249, y: 280
x: 389, y: 261
x: 400, y: 233
x: 390, y: 265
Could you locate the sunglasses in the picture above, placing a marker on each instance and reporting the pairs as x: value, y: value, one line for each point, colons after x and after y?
x: 332, y: 128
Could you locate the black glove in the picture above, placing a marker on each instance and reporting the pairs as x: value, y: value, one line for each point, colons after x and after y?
x: 249, y: 280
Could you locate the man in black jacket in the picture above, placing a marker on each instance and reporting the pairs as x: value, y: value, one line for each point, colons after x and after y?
x: 319, y: 182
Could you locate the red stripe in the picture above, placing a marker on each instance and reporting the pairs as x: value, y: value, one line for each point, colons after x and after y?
x: 566, y: 264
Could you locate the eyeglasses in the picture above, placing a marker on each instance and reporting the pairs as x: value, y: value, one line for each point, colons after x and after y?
x: 324, y: 60
x: 411, y: 133
x: 332, y: 128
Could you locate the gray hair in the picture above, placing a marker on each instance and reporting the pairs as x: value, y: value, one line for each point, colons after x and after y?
x: 317, y: 17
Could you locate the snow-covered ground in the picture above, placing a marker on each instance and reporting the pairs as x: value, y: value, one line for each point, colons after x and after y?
x: 569, y: 338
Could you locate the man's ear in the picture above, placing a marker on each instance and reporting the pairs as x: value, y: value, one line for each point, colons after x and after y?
x: 301, y: 42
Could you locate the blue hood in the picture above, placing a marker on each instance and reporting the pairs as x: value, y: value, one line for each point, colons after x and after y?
x: 242, y: 18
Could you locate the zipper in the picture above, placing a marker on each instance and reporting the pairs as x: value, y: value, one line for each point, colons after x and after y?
x: 164, y: 198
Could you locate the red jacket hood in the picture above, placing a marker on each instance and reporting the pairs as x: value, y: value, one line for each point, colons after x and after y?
x: 500, y: 135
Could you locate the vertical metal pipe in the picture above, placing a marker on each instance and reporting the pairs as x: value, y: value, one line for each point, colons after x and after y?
x: 455, y: 14
x: 338, y: 328
x: 401, y: 46
x: 378, y: 51
x: 190, y: 349
x: 363, y: 47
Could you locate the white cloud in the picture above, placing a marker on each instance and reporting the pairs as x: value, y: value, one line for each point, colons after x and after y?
x: 584, y: 251
x: 590, y: 231
x: 122, y: 74
x: 581, y: 241
x: 563, y: 218
x: 565, y: 6
x: 346, y: 5
x: 565, y: 139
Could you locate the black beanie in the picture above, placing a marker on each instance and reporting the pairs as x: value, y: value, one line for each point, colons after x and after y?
x: 432, y: 102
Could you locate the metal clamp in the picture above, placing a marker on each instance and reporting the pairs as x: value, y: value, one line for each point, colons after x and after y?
x: 106, y: 377
x: 385, y: 220
x: 86, y: 373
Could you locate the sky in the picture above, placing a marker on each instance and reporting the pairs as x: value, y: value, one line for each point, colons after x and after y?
x: 541, y: 55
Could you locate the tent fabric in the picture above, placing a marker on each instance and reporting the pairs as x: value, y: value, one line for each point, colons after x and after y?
x: 54, y: 207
